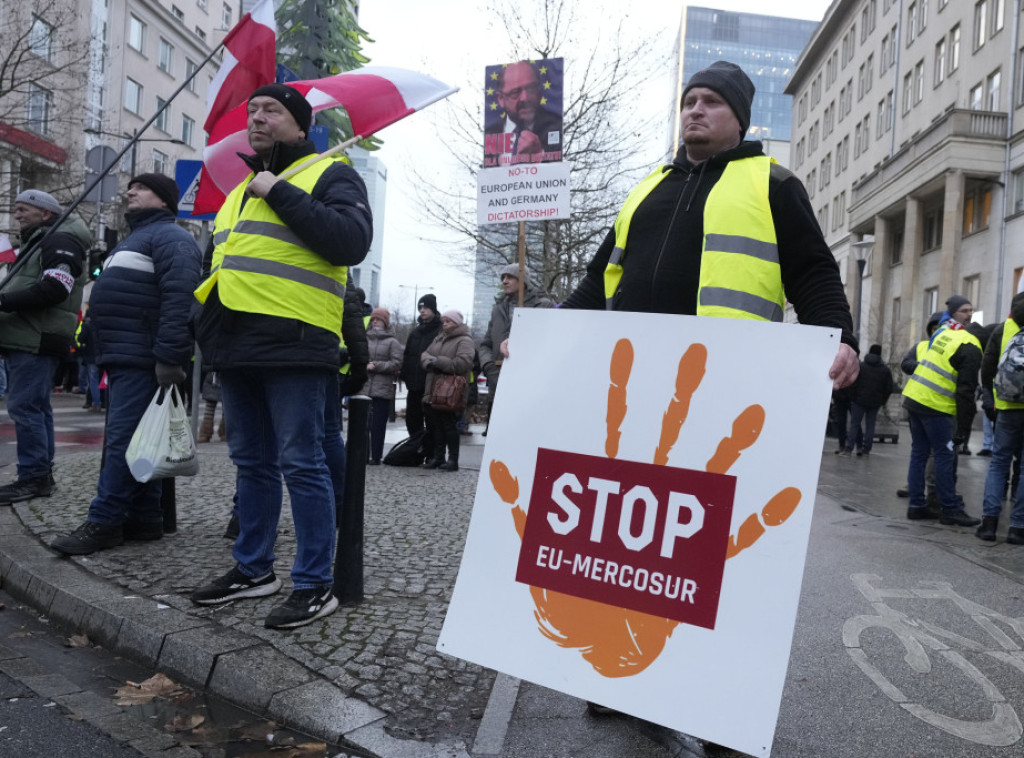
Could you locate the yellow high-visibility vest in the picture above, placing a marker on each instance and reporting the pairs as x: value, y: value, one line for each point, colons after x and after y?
x: 261, y: 266
x: 740, y: 275
x: 933, y: 383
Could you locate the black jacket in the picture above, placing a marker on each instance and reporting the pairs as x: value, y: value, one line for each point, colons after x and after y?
x: 662, y: 261
x: 874, y: 383
x: 334, y: 221
x: 413, y: 374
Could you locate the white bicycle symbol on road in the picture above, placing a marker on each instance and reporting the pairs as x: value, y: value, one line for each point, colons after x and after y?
x: 918, y: 636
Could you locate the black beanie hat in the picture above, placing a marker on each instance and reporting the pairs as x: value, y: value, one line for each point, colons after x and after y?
x: 729, y: 81
x: 955, y: 303
x: 428, y: 301
x: 164, y: 187
x: 291, y: 99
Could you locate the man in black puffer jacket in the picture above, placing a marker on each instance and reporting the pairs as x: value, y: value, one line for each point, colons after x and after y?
x: 139, y: 308
x: 874, y: 385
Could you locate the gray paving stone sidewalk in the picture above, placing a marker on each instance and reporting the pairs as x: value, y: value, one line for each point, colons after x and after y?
x: 381, y: 651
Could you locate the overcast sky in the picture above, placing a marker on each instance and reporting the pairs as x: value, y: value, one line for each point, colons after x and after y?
x: 453, y: 41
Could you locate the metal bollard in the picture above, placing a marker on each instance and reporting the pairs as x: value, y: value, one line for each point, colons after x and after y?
x: 348, y: 560
x: 169, y: 505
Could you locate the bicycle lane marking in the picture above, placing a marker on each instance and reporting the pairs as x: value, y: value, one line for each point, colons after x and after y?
x: 1003, y: 727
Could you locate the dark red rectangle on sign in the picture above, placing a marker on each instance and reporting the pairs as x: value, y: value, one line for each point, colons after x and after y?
x: 633, y: 535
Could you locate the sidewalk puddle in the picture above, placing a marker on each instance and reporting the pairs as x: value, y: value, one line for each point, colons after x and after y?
x: 217, y: 729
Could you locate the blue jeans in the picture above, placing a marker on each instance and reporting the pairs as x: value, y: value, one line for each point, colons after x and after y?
x: 119, y: 497
x: 28, y: 404
x: 870, y: 415
x: 1009, y: 440
x: 277, y: 428
x: 93, y: 372
x: 934, y: 434
x: 989, y: 430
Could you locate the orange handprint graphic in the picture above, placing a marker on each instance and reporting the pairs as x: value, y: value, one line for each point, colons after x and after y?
x: 618, y: 553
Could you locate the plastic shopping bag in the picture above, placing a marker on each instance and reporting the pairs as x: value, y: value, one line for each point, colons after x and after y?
x: 162, y: 445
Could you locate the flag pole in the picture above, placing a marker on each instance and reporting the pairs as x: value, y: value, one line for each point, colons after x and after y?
x: 135, y: 138
x: 320, y: 156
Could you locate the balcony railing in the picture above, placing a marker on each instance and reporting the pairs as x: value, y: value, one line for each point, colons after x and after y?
x: 954, y: 124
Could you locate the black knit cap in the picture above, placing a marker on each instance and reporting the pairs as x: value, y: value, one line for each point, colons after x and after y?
x: 164, y: 187
x: 291, y: 99
x: 428, y: 301
x: 729, y: 81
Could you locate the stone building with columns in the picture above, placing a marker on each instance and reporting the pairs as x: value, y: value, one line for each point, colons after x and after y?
x: 907, y: 132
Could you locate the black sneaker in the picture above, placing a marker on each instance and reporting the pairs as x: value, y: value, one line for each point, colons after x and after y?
x: 927, y: 512
x: 26, y: 489
x: 235, y: 585
x: 303, y: 607
x: 88, y: 538
x: 1015, y: 535
x: 957, y: 517
x: 988, y: 528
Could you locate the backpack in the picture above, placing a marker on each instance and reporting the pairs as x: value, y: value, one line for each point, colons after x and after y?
x: 408, y: 452
x: 1009, y: 380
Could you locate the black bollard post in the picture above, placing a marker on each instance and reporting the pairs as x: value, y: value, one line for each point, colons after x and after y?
x: 348, y: 561
x: 169, y: 505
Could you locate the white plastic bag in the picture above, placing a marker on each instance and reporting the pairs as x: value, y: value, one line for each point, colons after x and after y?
x: 162, y: 445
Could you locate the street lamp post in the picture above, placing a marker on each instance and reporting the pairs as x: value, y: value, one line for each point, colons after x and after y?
x: 415, y: 295
x: 861, y: 250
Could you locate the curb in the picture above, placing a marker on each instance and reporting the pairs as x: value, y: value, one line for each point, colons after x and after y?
x: 235, y: 666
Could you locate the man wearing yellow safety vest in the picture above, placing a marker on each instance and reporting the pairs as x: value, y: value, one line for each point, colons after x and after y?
x: 1009, y: 437
x: 270, y: 325
x: 939, y: 400
x: 908, y: 365
x: 721, y: 231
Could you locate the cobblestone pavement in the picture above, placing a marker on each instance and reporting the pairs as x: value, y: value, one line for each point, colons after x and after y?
x: 382, y: 650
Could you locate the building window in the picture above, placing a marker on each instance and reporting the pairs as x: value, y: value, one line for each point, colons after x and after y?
x: 919, y: 82
x: 997, y: 17
x: 1018, y: 191
x: 954, y: 48
x: 160, y: 162
x: 980, y: 23
x: 940, y: 62
x: 992, y: 91
x: 188, y: 126
x: 200, y: 33
x: 40, y: 39
x: 225, y: 16
x: 912, y: 22
x: 908, y: 88
x: 161, y: 118
x: 201, y: 4
x: 975, y: 97
x: 132, y: 96
x: 932, y: 230
x: 812, y: 186
x: 40, y: 101
x: 178, y: 13
x: 931, y: 302
x: 136, y: 33
x: 896, y: 246
x: 190, y: 69
x: 166, y: 59
x: 832, y: 69
x: 977, y: 208
x: 816, y: 90
x: 972, y: 289
x: 867, y: 19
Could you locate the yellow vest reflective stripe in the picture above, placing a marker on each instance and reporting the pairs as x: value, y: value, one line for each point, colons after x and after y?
x: 1010, y: 328
x: 933, y: 383
x: 261, y: 266
x: 740, y: 276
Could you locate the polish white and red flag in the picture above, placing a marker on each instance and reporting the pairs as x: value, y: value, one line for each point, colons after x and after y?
x: 373, y: 96
x: 249, y: 62
x: 6, y: 249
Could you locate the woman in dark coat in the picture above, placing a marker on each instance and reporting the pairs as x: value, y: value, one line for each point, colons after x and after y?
x: 413, y: 374
x: 451, y: 352
x: 874, y: 385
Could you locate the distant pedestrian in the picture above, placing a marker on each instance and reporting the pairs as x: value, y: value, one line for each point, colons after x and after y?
x: 1009, y: 435
x: 385, y: 362
x: 451, y: 352
x: 873, y: 387
x: 428, y: 326
x: 937, y: 398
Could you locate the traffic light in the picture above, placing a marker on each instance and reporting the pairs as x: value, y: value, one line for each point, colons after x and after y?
x: 96, y: 258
